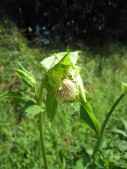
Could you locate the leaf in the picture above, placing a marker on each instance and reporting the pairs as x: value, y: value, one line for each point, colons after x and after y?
x: 81, y: 87
x: 74, y: 56
x: 27, y: 104
x: 50, y: 62
x: 124, y: 87
x: 26, y: 76
x: 17, y: 97
x: 33, y: 110
x: 51, y: 104
x: 87, y: 115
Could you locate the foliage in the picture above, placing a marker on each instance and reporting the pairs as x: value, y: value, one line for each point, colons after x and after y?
x: 19, y: 138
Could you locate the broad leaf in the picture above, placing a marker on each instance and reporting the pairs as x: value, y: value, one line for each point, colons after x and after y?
x: 33, y: 110
x: 87, y: 115
x: 51, y: 104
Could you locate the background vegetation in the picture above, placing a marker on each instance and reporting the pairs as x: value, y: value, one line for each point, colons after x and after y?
x: 99, y: 29
x: 103, y: 69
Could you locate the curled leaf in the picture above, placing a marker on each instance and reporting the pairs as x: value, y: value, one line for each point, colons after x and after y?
x: 26, y: 76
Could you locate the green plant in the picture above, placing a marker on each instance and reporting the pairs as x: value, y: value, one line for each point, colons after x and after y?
x: 62, y: 81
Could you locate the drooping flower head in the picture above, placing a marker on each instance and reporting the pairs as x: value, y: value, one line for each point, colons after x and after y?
x: 63, y: 82
x: 63, y: 75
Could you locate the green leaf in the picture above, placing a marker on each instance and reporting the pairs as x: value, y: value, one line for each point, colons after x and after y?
x: 17, y: 97
x: 33, y: 110
x: 26, y: 76
x: 27, y: 104
x: 124, y: 87
x: 51, y: 104
x: 50, y: 62
x: 87, y: 115
x: 65, y: 61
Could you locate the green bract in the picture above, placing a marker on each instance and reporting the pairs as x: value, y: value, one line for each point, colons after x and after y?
x: 63, y: 82
x: 62, y: 66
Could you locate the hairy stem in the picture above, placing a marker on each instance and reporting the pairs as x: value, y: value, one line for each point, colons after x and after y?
x: 98, y: 143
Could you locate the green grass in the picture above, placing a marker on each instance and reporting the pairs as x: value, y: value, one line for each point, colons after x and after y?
x: 103, y: 69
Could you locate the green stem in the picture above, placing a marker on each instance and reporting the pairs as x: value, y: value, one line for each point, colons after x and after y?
x: 41, y: 128
x: 98, y: 143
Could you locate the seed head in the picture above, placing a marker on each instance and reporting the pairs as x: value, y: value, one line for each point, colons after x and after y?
x: 68, y: 91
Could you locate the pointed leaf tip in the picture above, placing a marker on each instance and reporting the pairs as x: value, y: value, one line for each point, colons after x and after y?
x: 26, y: 76
x: 87, y: 115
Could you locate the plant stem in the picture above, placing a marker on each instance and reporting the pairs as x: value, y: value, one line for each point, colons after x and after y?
x: 98, y: 143
x: 41, y: 127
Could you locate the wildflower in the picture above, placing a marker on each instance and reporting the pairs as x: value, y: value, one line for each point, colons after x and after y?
x: 68, y: 91
x: 63, y: 75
